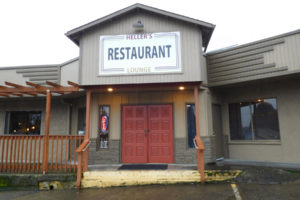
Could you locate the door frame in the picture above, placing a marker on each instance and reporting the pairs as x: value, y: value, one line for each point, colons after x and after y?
x: 145, y: 104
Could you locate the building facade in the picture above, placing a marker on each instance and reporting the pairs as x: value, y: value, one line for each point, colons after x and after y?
x: 141, y: 65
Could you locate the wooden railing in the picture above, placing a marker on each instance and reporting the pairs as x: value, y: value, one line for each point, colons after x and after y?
x: 80, y: 150
x: 37, y: 154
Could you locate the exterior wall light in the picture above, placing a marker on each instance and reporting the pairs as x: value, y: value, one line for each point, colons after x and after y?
x: 259, y: 100
x: 181, y: 87
x: 110, y: 89
x: 139, y: 26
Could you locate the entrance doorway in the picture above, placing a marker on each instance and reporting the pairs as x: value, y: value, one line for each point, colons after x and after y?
x: 217, y: 127
x: 147, y: 134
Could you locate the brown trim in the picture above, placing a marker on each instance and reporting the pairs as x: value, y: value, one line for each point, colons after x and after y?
x: 46, y: 138
x: 142, y: 85
x: 200, y: 149
x: 33, y: 88
x: 87, y: 128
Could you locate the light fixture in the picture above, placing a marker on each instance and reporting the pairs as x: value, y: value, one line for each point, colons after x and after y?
x: 27, y: 129
x: 139, y: 26
x: 110, y: 89
x: 181, y: 87
x: 33, y: 127
x: 259, y: 100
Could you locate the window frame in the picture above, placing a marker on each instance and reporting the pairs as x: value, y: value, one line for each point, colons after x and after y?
x: 7, y: 121
x: 253, y: 140
x: 98, y: 147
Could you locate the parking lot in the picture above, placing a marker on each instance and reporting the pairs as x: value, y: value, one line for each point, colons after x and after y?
x: 174, y: 192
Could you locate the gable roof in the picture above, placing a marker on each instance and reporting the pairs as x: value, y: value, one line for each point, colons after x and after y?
x: 207, y: 28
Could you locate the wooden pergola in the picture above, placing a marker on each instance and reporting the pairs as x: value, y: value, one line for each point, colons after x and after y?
x: 33, y: 89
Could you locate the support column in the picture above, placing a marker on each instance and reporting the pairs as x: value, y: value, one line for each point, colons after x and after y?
x: 46, y: 135
x: 87, y: 128
x: 200, y: 150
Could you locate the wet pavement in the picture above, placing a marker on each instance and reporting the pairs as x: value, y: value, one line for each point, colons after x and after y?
x: 163, y: 192
x: 270, y: 191
x: 254, y: 183
x: 222, y: 191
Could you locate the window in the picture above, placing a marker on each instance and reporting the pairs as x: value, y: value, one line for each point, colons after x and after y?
x: 81, y: 121
x: 191, y: 124
x: 103, y: 130
x: 256, y: 120
x: 23, y: 122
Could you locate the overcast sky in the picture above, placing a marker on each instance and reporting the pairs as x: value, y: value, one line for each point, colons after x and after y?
x: 32, y: 31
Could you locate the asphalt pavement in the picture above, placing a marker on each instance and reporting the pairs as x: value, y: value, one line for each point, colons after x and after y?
x: 218, y: 191
x: 253, y: 183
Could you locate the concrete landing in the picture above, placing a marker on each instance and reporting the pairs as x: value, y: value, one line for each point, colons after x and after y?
x: 102, y: 179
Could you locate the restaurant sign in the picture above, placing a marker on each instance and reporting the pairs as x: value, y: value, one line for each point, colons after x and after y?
x: 140, y: 54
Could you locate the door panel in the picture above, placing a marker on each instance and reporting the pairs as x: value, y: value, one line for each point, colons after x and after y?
x: 221, y: 150
x: 134, y: 140
x: 160, y: 134
x: 147, y: 134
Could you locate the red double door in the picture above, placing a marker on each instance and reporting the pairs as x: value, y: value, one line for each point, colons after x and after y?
x: 147, y: 134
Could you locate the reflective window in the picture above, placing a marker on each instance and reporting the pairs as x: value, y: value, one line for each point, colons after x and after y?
x: 23, y: 122
x: 103, y: 129
x: 191, y: 125
x: 257, y: 120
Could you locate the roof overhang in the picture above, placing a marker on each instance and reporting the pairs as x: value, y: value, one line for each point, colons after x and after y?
x: 206, y: 28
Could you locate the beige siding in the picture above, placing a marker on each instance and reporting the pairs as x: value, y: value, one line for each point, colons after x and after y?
x: 11, y: 76
x: 267, y: 58
x: 191, y: 50
x: 242, y: 63
x: 288, y: 98
x: 59, y: 118
x: 36, y: 74
x: 177, y: 99
x: 69, y: 72
x: 286, y: 54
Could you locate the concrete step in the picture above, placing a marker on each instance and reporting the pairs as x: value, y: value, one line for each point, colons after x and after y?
x: 101, y: 179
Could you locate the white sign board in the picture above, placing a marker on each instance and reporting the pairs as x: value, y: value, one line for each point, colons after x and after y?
x: 140, y: 54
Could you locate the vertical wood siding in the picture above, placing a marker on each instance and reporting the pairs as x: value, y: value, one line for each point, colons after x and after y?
x: 286, y: 54
x: 191, y: 50
x: 69, y: 72
x: 36, y: 74
x: 262, y: 59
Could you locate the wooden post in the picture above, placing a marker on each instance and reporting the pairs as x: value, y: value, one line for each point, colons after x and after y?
x: 200, y: 150
x: 79, y: 168
x: 46, y: 136
x: 87, y: 128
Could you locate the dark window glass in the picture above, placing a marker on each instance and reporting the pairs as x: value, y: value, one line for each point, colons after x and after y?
x: 265, y: 120
x: 103, y: 129
x: 23, y: 122
x: 191, y: 124
x: 255, y: 120
x: 81, y: 121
